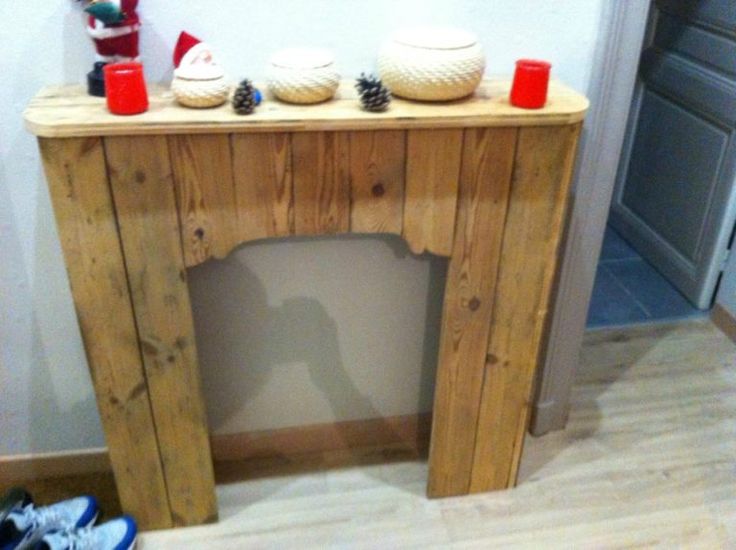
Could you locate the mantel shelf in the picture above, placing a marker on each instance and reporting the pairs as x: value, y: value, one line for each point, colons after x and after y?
x: 67, y: 111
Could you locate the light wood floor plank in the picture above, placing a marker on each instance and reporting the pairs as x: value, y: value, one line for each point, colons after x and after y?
x: 648, y: 460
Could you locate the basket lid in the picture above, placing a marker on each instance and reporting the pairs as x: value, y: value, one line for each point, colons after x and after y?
x: 302, y: 58
x: 199, y: 72
x: 435, y: 38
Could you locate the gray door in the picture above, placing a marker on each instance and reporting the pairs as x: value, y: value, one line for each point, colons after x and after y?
x: 675, y: 197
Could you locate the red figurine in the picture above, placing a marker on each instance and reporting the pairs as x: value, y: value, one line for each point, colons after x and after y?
x: 113, y: 26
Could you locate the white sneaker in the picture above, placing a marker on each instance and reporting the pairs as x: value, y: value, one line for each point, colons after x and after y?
x: 116, y: 534
x: 25, y: 525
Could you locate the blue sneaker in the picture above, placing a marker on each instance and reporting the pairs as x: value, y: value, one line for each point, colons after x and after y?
x: 116, y: 534
x: 25, y: 525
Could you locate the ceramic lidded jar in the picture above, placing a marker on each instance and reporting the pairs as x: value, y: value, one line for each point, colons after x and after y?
x: 303, y: 75
x: 432, y: 64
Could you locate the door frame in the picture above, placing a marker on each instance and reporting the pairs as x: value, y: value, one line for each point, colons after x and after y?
x: 616, y: 62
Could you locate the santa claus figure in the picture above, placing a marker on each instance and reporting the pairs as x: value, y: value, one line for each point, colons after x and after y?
x: 113, y: 26
x: 199, y: 80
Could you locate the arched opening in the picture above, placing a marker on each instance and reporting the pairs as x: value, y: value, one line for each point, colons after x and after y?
x: 299, y: 332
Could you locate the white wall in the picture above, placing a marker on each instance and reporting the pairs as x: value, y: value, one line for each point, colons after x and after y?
x: 290, y: 333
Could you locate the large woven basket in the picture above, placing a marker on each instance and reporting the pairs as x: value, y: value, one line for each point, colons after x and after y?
x: 431, y: 64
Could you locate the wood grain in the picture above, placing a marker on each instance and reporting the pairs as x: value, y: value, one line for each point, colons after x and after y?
x: 75, y: 170
x: 534, y: 224
x: 659, y: 396
x: 321, y: 164
x: 141, y: 180
x: 647, y: 461
x: 438, y: 175
x: 264, y: 186
x: 205, y: 195
x: 231, y: 190
x: 488, y: 158
x: 377, y: 173
x: 67, y: 111
x: 432, y: 174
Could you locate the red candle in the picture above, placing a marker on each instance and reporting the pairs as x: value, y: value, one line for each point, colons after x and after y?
x: 531, y: 81
x: 125, y: 88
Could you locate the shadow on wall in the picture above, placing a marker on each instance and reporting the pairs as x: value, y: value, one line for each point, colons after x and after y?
x: 245, y: 343
x: 62, y: 409
x: 78, y: 54
x: 52, y: 426
x: 49, y: 405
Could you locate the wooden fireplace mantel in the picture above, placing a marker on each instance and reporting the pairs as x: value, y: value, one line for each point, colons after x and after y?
x: 139, y: 199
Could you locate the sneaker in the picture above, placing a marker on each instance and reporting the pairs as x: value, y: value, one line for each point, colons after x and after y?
x: 14, y: 499
x: 116, y: 534
x: 25, y: 525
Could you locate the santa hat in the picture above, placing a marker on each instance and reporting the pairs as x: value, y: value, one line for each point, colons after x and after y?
x: 193, y: 59
x: 187, y: 46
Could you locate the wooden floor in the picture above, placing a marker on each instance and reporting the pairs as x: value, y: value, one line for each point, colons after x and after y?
x: 648, y: 460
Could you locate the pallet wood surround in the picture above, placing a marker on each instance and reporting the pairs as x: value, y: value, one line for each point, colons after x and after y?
x: 139, y: 199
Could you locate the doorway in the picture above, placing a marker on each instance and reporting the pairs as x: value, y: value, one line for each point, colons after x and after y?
x: 674, y: 205
x: 629, y: 290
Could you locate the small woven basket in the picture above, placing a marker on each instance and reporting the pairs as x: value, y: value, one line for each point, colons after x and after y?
x: 303, y: 75
x: 199, y: 93
x: 429, y: 64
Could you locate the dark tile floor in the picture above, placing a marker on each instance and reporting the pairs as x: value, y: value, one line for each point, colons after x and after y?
x: 628, y: 290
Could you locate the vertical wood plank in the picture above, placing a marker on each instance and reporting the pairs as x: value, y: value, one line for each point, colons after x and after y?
x: 432, y: 174
x: 205, y: 195
x: 75, y: 170
x: 534, y: 225
x: 487, y: 162
x: 141, y: 180
x: 321, y: 182
x: 263, y: 185
x: 377, y: 171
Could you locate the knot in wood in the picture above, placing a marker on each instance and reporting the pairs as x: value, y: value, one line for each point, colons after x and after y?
x: 378, y: 190
x: 199, y: 233
x: 474, y: 303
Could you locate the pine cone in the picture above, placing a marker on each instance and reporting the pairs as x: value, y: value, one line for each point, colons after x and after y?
x: 244, y: 98
x: 374, y: 96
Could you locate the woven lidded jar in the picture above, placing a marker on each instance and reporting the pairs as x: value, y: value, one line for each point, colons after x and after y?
x: 200, y: 93
x: 200, y: 82
x: 432, y: 64
x: 303, y: 75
